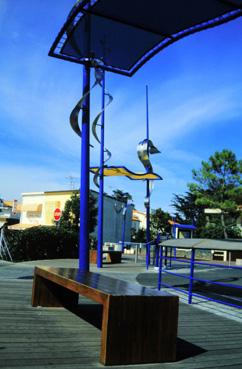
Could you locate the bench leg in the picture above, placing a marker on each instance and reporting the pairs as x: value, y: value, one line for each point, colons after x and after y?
x: 139, y: 329
x: 49, y: 294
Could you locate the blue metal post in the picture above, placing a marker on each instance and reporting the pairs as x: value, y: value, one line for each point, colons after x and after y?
x: 157, y: 255
x: 101, y: 184
x: 160, y: 268
x: 84, y: 190
x: 147, y: 190
x: 123, y: 226
x: 191, y: 276
x: 166, y: 256
x: 147, y: 226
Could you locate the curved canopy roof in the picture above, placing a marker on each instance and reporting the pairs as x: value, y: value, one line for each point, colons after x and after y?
x: 123, y: 171
x: 124, y: 34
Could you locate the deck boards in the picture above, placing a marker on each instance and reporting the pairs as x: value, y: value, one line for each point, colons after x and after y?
x: 51, y: 338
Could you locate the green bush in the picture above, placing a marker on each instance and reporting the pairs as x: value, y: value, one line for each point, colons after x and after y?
x: 234, y: 232
x: 215, y: 231
x: 43, y: 242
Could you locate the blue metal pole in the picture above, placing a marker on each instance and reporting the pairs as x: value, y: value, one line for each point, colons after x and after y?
x: 84, y: 190
x: 156, y: 255
x: 123, y: 226
x: 147, y: 190
x: 175, y: 236
x: 170, y: 256
x: 166, y: 256
x: 191, y: 276
x: 160, y: 268
x: 101, y: 184
x: 147, y: 114
x: 147, y: 226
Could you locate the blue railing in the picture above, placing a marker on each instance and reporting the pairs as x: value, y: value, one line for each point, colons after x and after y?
x: 221, y: 297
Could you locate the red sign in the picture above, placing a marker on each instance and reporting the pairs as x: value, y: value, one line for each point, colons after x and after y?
x: 57, y: 214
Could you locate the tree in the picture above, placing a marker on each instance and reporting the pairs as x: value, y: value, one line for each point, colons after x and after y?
x: 187, y: 211
x: 218, y: 184
x: 71, y: 214
x: 139, y: 235
x: 122, y: 196
x: 159, y: 222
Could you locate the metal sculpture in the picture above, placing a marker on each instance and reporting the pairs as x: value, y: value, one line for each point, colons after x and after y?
x: 144, y: 149
x: 74, y: 122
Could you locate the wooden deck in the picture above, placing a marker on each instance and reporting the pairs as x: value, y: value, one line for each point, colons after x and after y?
x: 51, y: 338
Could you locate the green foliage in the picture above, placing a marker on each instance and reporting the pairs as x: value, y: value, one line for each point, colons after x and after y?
x: 234, y: 232
x: 43, y: 242
x: 213, y: 231
x: 159, y: 222
x: 70, y: 218
x: 186, y: 208
x: 138, y: 236
x: 122, y: 196
x: 187, y: 211
x: 218, y: 184
x: 216, y: 231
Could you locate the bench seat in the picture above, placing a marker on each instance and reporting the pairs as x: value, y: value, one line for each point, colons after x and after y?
x: 139, y: 324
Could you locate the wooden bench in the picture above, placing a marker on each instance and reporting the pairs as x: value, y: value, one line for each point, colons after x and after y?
x: 139, y: 325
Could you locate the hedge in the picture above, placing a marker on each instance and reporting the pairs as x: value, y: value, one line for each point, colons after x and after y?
x: 42, y: 242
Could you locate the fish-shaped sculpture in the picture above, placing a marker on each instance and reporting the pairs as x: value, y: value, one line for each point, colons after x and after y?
x: 144, y: 149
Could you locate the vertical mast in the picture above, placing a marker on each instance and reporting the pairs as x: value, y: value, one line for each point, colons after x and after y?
x: 147, y: 187
x: 101, y: 183
x: 85, y: 162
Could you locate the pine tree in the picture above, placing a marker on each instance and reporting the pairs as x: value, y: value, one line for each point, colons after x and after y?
x: 218, y: 184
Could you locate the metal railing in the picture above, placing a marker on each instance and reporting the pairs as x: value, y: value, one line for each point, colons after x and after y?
x: 136, y: 249
x: 4, y: 249
x: 223, y: 292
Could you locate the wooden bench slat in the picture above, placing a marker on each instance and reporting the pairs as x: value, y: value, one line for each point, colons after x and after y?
x: 104, y: 284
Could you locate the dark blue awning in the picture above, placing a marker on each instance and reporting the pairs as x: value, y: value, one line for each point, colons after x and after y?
x: 124, y: 34
x: 184, y: 226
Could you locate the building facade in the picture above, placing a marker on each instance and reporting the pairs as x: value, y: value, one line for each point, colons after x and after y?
x: 38, y: 209
x: 9, y: 212
x: 138, y: 220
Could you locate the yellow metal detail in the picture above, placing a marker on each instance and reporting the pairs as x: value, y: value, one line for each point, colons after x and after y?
x: 121, y: 171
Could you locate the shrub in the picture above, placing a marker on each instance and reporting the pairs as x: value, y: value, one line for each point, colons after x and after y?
x: 216, y: 231
x: 213, y: 231
x: 43, y: 242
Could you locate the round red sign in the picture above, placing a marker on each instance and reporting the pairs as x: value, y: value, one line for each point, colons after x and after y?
x: 57, y: 214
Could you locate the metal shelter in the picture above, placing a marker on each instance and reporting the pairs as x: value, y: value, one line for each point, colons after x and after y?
x: 124, y: 34
x: 204, y: 243
x: 194, y: 244
x: 135, y: 30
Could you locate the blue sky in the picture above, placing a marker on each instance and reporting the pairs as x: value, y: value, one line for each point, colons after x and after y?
x: 195, y: 105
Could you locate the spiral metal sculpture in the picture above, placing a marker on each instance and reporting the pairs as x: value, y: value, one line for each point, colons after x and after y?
x: 95, y: 124
x: 76, y: 111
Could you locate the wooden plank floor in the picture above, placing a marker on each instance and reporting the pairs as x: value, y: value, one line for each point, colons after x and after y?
x: 41, y: 338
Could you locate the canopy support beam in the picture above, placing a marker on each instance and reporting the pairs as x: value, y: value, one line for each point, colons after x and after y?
x: 85, y: 163
x: 101, y: 184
